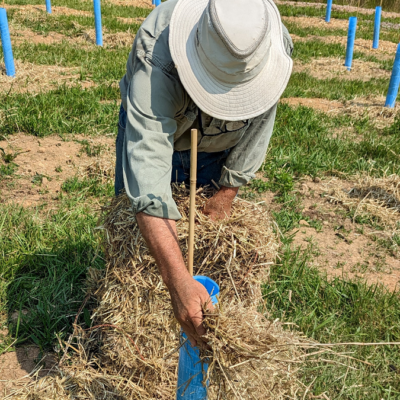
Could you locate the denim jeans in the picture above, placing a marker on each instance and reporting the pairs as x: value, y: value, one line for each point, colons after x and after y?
x: 209, y: 165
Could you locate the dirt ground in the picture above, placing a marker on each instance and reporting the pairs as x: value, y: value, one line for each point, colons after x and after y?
x: 45, y: 163
x: 17, y: 367
x: 341, y: 248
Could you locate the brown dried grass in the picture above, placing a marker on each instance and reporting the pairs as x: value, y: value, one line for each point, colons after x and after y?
x: 331, y: 67
x: 372, y: 197
x: 131, y: 352
x: 34, y: 78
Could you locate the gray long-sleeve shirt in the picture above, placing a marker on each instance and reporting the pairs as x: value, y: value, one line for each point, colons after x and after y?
x: 160, y: 114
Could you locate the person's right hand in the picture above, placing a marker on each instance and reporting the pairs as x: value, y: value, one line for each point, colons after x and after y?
x: 188, y: 297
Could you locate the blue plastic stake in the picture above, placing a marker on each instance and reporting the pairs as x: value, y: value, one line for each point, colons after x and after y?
x: 97, y: 22
x: 6, y: 43
x: 157, y: 2
x: 328, y: 11
x: 191, y: 370
x: 394, y: 81
x: 377, y: 27
x: 153, y: 2
x: 48, y: 6
x: 350, y: 42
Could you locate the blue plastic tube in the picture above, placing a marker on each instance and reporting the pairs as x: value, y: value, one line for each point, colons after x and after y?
x: 190, y: 369
x: 350, y: 42
x: 328, y: 11
x: 377, y: 27
x: 6, y: 43
x: 394, y: 81
x: 48, y: 6
x: 157, y: 2
x: 97, y: 22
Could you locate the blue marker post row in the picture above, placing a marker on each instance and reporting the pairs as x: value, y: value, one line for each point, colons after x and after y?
x: 377, y: 27
x: 48, y: 6
x: 97, y: 22
x: 394, y: 81
x: 6, y: 43
x: 350, y: 42
x: 328, y: 11
x: 191, y: 370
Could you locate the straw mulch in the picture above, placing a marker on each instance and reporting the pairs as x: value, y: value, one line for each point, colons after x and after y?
x: 131, y: 352
x: 378, y: 198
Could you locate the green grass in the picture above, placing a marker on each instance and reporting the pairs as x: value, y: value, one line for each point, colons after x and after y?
x: 303, y: 144
x: 43, y: 265
x: 334, y: 311
x: 98, y: 64
x: 86, y: 187
x: 107, y: 9
x: 62, y: 111
x: 75, y: 25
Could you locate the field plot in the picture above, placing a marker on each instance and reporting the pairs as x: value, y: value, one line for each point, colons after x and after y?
x: 331, y: 181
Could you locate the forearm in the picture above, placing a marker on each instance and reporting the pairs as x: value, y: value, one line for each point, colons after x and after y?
x: 161, y: 237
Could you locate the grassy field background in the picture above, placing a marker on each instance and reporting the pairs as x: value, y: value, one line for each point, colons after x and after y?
x: 331, y: 128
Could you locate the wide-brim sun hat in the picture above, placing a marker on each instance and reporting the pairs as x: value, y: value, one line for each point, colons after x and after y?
x: 230, y: 55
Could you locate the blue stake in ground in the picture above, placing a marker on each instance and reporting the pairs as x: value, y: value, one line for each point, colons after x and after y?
x: 190, y: 369
x: 97, y: 22
x: 328, y: 11
x: 157, y: 2
x: 394, y: 81
x: 6, y: 43
x: 48, y: 6
x: 377, y: 27
x: 350, y: 42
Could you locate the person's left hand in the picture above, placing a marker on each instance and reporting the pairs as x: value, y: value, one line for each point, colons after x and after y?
x: 219, y: 206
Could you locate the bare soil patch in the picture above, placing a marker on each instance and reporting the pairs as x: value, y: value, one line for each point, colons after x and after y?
x: 306, y: 22
x: 330, y: 67
x: 54, y: 160
x: 16, y: 367
x: 347, y: 8
x: 342, y: 247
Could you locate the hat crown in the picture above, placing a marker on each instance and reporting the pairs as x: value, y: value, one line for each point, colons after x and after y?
x: 233, y: 39
x: 240, y: 24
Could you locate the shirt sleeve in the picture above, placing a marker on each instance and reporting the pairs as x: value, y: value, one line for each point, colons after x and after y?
x: 153, y: 97
x: 246, y: 157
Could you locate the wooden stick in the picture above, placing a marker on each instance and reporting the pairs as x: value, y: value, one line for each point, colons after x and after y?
x: 192, y: 208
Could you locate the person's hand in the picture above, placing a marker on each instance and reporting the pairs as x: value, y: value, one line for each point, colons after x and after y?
x: 219, y: 206
x: 188, y: 297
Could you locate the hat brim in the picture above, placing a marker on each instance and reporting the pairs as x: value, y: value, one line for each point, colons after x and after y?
x: 232, y: 102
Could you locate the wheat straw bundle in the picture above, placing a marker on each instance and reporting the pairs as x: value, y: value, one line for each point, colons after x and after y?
x: 132, y: 349
x: 234, y: 253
